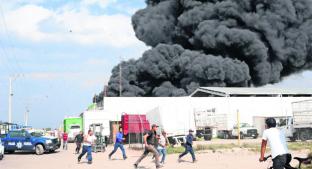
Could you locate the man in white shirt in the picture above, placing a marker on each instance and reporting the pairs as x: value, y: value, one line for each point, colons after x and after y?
x: 277, y: 140
x: 88, y: 141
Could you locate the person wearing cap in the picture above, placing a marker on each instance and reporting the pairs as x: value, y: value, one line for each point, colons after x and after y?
x: 150, y: 141
x: 277, y: 140
x: 189, y: 146
x: 118, y: 144
x: 162, y: 144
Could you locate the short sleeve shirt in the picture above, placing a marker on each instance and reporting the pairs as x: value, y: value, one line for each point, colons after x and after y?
x: 151, y: 137
x: 277, y: 141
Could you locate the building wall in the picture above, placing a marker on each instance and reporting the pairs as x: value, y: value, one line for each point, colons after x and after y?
x: 182, y: 108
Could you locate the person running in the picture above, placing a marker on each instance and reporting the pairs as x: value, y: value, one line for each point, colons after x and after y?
x: 277, y: 140
x: 88, y: 141
x: 78, y: 141
x: 188, y: 146
x: 65, y: 140
x: 118, y: 144
x: 149, y: 142
x: 162, y: 144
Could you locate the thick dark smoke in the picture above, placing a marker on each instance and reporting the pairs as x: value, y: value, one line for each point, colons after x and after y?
x: 216, y: 43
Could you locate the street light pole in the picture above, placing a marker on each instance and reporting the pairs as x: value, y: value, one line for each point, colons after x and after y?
x: 10, y: 99
x: 26, y: 116
x: 11, y: 79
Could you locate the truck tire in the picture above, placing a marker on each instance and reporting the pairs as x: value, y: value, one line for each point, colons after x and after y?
x: 227, y: 136
x: 39, y: 149
x: 1, y: 156
x: 207, y: 137
x: 304, y: 135
x: 242, y: 136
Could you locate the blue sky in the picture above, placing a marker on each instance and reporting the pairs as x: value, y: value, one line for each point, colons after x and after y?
x: 65, y: 51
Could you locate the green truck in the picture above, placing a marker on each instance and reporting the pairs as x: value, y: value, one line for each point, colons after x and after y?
x: 72, y: 126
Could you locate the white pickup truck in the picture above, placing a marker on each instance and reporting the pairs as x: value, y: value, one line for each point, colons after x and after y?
x: 246, y: 130
x: 1, y: 150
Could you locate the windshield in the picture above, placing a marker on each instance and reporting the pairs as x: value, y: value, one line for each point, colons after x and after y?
x: 75, y: 127
x: 36, y: 134
x: 242, y: 125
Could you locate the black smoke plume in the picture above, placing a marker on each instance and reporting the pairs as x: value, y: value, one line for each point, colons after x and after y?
x: 216, y: 43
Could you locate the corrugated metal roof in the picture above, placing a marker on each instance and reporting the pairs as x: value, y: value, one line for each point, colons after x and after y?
x: 243, y: 91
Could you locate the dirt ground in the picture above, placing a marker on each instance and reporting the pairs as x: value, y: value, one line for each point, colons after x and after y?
x: 234, y: 159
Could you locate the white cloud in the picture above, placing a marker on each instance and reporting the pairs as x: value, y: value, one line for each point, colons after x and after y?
x: 101, y: 3
x: 39, y: 24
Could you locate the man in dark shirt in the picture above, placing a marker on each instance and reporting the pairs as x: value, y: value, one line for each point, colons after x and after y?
x: 78, y: 141
x: 150, y: 144
x: 189, y: 146
x: 118, y: 144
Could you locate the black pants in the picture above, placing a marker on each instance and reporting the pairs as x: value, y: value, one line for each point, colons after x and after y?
x: 282, y: 161
x: 78, y: 147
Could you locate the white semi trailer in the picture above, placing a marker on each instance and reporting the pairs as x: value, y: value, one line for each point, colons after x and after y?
x: 302, y: 120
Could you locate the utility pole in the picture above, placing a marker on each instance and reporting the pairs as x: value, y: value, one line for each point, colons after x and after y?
x: 238, y: 128
x: 26, y: 116
x: 11, y: 79
x: 10, y: 99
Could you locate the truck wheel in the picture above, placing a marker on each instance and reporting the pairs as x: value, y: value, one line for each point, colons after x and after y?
x: 241, y: 136
x: 226, y: 136
x: 207, y: 138
x: 292, y: 139
x: 1, y: 156
x: 304, y: 135
x: 39, y: 149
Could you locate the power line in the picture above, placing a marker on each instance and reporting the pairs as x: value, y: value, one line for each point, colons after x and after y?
x: 6, y: 32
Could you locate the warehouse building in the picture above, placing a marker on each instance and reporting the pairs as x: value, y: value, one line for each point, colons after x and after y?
x: 215, y: 107
x: 250, y: 92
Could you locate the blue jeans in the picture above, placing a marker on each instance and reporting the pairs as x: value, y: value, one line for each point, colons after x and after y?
x: 86, y: 149
x: 162, y: 151
x: 116, y: 146
x: 188, y: 149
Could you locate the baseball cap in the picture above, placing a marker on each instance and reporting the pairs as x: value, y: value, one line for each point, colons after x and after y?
x: 154, y: 125
x: 191, y: 130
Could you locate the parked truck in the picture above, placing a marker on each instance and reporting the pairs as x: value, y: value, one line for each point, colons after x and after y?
x: 246, y: 130
x: 23, y: 140
x: 72, y: 126
x: 302, y: 120
x: 212, y: 119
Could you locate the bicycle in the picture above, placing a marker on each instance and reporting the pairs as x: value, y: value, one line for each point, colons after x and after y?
x: 301, y: 161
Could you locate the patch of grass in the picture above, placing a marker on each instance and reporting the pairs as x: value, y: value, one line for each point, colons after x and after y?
x: 215, y: 147
x: 254, y: 147
x: 296, y: 146
x: 202, y: 147
x: 175, y: 150
x: 200, y: 139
